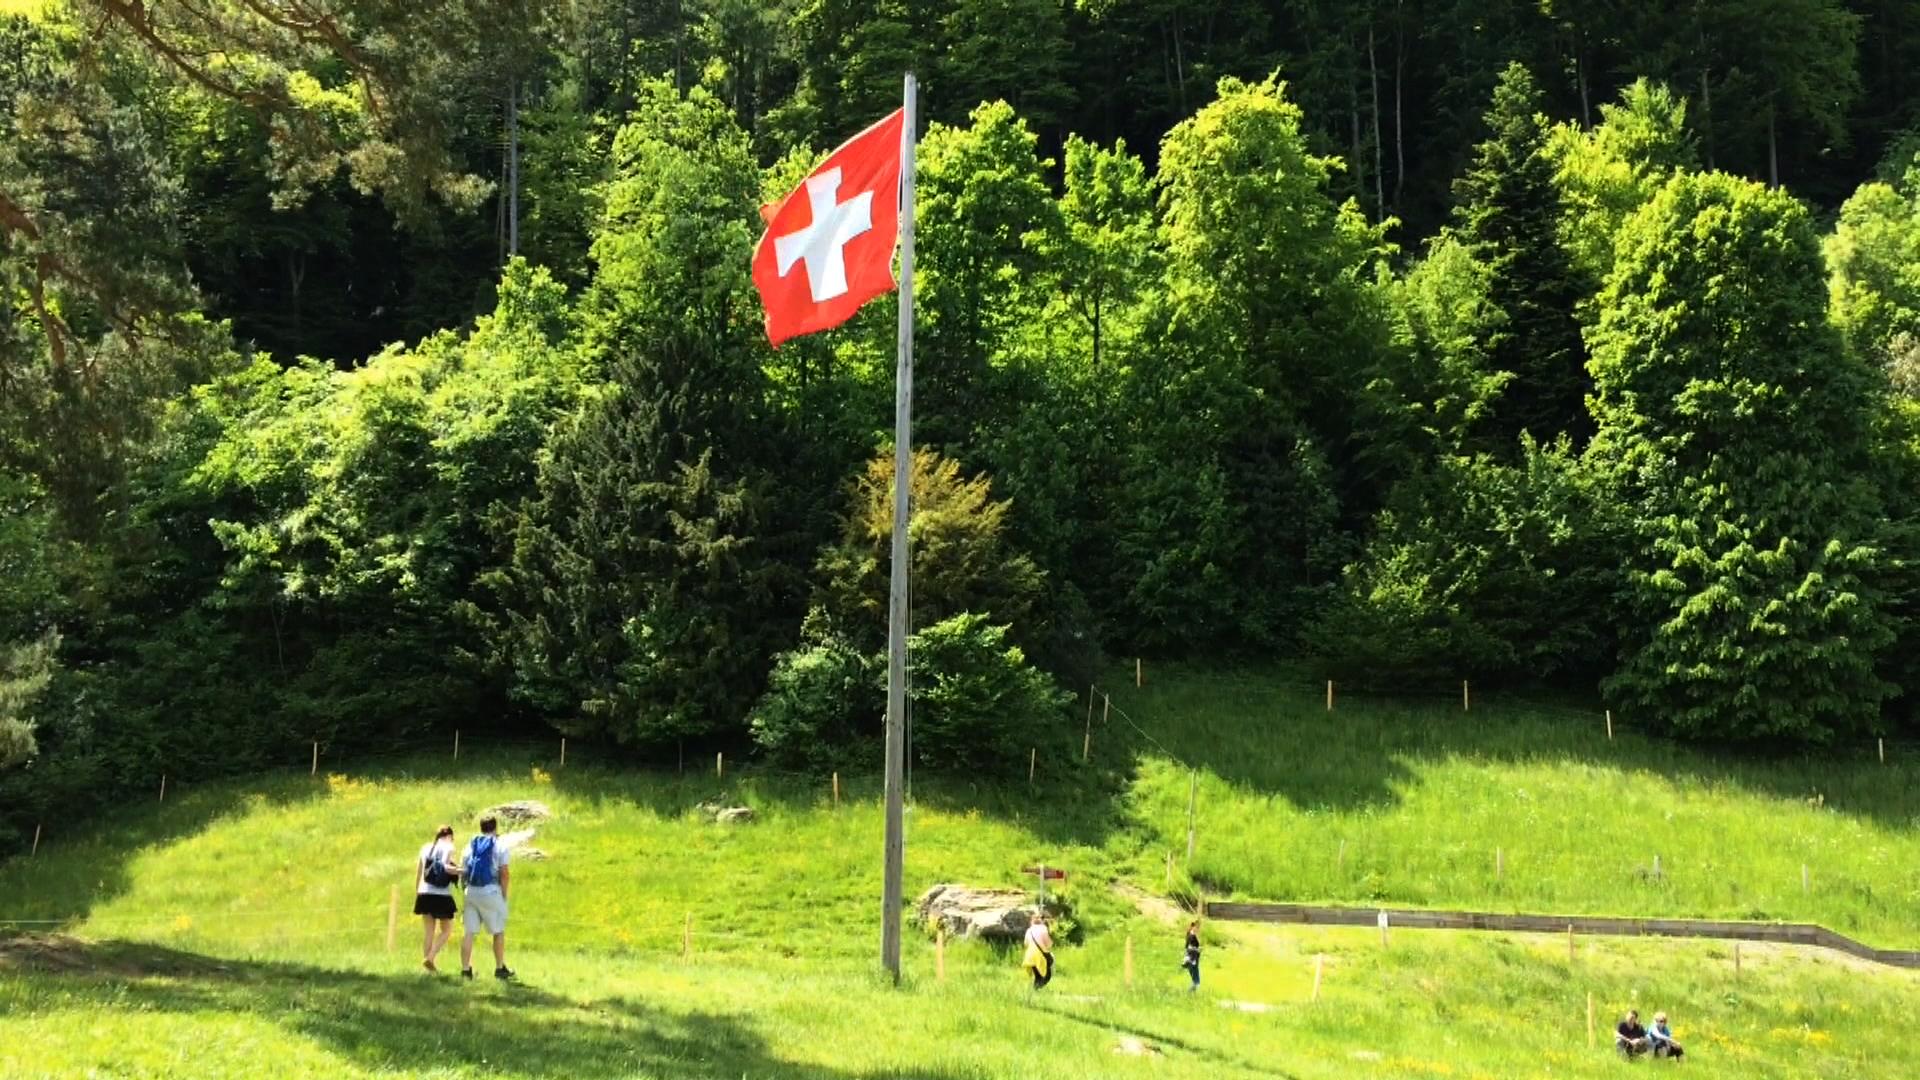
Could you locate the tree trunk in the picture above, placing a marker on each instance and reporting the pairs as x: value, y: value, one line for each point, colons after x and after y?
x: 513, y: 168
x: 1580, y: 77
x: 296, y: 277
x: 1379, y: 146
x: 1706, y: 117
x: 1399, y: 79
x: 1773, y: 148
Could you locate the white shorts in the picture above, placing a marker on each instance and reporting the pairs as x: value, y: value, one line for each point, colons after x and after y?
x: 486, y: 906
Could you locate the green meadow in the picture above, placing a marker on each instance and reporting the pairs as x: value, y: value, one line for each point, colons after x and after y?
x: 241, y: 928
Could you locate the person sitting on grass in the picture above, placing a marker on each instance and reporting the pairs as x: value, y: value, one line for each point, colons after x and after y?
x: 1039, y: 958
x: 1630, y: 1038
x: 1662, y: 1038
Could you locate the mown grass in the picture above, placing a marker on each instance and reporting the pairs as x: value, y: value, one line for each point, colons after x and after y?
x: 240, y: 929
x: 1514, y: 807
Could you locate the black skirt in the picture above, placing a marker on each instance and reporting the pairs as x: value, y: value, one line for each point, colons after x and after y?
x: 440, y: 907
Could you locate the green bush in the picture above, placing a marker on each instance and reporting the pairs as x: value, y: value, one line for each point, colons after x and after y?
x: 975, y: 698
x: 821, y: 699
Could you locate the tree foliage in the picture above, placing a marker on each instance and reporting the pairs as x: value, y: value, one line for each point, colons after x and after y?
x: 1731, y: 420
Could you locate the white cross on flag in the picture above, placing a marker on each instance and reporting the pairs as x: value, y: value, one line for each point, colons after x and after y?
x: 829, y: 244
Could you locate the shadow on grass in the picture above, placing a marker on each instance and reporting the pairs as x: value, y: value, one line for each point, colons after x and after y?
x: 81, y: 865
x: 1273, y: 733
x: 1065, y: 805
x: 413, y: 1022
x: 1158, y: 1038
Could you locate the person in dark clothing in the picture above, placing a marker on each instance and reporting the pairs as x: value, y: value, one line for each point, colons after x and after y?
x: 1192, y: 962
x: 1630, y: 1038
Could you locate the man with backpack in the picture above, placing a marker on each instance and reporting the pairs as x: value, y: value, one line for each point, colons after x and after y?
x: 484, y: 874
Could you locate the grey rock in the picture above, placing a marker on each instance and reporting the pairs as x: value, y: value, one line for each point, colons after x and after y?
x: 965, y: 912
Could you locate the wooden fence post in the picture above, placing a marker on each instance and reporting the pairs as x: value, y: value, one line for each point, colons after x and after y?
x: 1319, y: 963
x: 1128, y: 966
x: 36, y: 842
x: 163, y: 787
x: 1033, y: 762
x: 1139, y: 673
x: 393, y: 913
x: 1569, y: 943
x: 1092, y: 692
x: 836, y: 791
x: 563, y: 751
x: 720, y: 765
x: 1883, y: 750
x: 1609, y: 725
x: 1193, y: 802
x: 1383, y: 929
x: 315, y: 771
x: 456, y: 744
x: 1656, y: 868
x: 1805, y: 885
x: 1736, y: 958
x: 1329, y: 695
x: 1106, y: 714
x: 1466, y: 701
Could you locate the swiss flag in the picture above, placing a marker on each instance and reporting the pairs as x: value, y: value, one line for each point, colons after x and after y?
x: 829, y: 244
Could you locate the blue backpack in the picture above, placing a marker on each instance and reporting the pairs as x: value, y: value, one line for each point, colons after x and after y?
x: 480, y: 870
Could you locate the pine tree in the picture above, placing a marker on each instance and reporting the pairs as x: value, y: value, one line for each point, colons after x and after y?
x: 641, y: 579
x: 1509, y: 213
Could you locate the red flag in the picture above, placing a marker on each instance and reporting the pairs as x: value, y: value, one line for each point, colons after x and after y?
x: 829, y: 244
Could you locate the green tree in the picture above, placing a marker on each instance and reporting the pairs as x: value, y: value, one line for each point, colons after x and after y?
x: 1478, y: 567
x: 641, y: 584
x: 1509, y: 214
x: 1608, y: 171
x: 1244, y: 402
x: 1732, y: 422
x: 981, y: 198
x: 962, y: 559
x: 1873, y: 262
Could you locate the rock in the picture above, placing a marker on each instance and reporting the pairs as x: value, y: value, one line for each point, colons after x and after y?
x: 521, y: 812
x: 531, y: 854
x: 988, y: 914
x: 734, y: 815
x: 1135, y: 1046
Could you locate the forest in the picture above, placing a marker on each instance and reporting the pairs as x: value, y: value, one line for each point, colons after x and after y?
x: 373, y: 370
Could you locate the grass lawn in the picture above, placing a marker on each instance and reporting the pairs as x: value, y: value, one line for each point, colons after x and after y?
x: 1512, y: 808
x: 240, y: 928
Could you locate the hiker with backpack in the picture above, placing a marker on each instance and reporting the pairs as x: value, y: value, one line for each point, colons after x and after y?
x: 433, y: 894
x: 485, y: 876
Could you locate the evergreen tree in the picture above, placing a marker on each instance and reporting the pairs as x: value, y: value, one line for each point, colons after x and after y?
x: 1509, y: 213
x: 640, y: 588
x: 1732, y: 423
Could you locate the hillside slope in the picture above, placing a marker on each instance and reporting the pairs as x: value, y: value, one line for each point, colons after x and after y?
x: 243, y: 926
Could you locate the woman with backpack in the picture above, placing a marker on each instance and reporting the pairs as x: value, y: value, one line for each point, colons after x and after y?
x: 433, y: 894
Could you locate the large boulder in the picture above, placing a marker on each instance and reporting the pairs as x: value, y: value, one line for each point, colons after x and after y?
x: 519, y: 812
x: 965, y: 912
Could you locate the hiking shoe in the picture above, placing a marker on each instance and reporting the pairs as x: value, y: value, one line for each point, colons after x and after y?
x: 503, y: 973
x: 466, y: 973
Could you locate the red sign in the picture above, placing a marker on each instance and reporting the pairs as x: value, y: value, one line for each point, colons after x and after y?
x: 1048, y: 873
